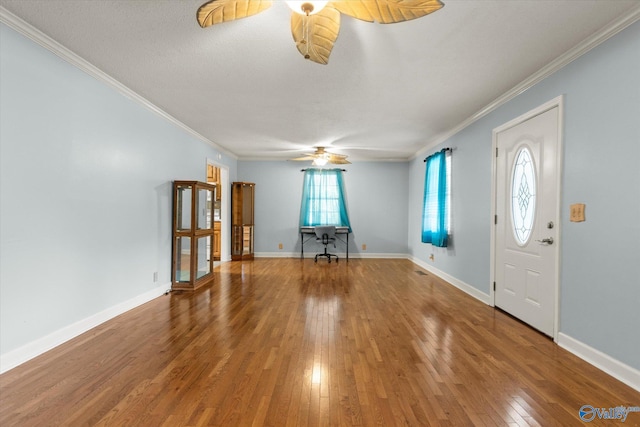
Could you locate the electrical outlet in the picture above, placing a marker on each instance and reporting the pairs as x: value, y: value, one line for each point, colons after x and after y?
x: 279, y: 245
x: 364, y: 246
x: 432, y: 258
x: 155, y: 276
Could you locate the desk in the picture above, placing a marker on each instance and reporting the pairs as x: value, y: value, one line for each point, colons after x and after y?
x: 311, y: 231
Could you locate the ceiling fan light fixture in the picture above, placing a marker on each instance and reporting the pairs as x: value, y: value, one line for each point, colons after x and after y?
x: 320, y: 161
x: 306, y: 7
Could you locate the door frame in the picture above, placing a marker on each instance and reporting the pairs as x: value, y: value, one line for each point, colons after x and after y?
x: 225, y: 207
x: 555, y: 102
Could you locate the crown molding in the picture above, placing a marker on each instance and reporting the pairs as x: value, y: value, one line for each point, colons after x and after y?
x: 588, y: 44
x: 27, y: 30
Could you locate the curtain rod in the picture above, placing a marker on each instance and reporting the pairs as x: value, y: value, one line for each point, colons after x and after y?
x: 304, y: 170
x: 441, y: 151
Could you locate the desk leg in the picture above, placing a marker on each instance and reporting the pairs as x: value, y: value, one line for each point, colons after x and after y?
x: 301, y: 246
x: 347, y: 246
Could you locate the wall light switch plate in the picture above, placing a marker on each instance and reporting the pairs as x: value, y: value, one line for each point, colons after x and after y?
x: 577, y: 212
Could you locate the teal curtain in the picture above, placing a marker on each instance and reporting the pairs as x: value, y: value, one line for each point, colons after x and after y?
x: 324, y: 200
x: 435, y: 210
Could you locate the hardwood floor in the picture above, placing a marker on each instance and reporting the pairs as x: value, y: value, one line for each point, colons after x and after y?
x: 286, y: 342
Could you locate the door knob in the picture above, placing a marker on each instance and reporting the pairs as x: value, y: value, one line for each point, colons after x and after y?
x: 548, y: 241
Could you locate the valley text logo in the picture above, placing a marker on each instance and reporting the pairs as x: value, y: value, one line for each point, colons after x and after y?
x: 589, y: 413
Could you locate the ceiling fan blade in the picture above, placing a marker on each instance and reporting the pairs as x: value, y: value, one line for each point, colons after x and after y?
x: 387, y: 11
x: 338, y: 160
x: 304, y: 158
x: 315, y: 34
x: 218, y: 11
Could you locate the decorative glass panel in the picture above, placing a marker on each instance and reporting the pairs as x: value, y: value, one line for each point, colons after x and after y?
x: 523, y: 196
x: 183, y: 259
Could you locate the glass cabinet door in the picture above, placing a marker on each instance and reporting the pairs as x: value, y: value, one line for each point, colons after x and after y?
x: 183, y: 207
x: 183, y: 259
x: 204, y: 208
x: 204, y: 258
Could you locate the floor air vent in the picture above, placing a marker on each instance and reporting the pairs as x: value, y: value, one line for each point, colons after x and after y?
x: 421, y: 273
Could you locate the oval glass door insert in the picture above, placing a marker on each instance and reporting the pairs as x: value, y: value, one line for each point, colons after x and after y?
x: 523, y: 196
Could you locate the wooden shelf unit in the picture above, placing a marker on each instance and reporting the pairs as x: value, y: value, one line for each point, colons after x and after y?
x: 242, y: 220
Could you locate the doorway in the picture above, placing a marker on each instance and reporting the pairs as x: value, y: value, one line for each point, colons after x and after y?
x: 219, y: 176
x: 526, y: 237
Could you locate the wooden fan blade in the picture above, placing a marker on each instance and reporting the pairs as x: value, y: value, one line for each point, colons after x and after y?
x: 218, y: 11
x: 336, y: 154
x: 338, y: 160
x: 303, y: 158
x: 387, y: 11
x: 315, y: 34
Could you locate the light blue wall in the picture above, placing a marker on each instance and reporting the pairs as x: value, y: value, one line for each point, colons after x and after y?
x: 470, y: 211
x: 377, y: 198
x: 85, y: 193
x: 600, y: 258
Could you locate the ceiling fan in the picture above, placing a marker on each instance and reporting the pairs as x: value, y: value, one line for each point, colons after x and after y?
x: 315, y: 24
x: 321, y: 157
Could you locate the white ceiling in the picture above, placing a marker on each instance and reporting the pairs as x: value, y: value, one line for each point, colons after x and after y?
x: 388, y: 91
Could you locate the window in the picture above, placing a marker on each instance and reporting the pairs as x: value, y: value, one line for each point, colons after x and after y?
x: 435, y: 213
x: 523, y: 196
x: 323, y: 199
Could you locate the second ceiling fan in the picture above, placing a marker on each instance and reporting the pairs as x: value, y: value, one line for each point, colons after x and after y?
x: 321, y: 157
x: 315, y: 24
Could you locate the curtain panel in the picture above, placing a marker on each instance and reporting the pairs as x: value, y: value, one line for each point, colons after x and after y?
x: 324, y: 200
x: 434, y: 213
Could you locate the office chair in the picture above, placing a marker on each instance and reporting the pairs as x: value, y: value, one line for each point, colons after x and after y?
x: 326, y: 234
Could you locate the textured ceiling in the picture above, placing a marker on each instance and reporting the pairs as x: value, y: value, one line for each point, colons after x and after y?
x: 388, y: 90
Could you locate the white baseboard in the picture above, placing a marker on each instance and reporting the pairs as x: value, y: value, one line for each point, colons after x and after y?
x: 464, y: 287
x: 620, y: 371
x: 276, y: 254
x: 364, y: 255
x: 35, y: 348
x: 340, y: 254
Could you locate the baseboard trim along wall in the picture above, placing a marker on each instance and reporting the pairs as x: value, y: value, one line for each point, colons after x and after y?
x: 464, y: 287
x: 35, y: 348
x: 620, y: 371
x: 342, y: 255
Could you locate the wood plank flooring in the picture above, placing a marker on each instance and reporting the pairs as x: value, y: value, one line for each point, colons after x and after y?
x: 286, y: 342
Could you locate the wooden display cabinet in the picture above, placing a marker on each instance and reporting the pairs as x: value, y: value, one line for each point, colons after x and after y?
x: 242, y: 200
x: 193, y: 234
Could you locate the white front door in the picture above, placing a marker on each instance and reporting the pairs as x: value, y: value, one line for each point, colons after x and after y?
x: 527, y: 217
